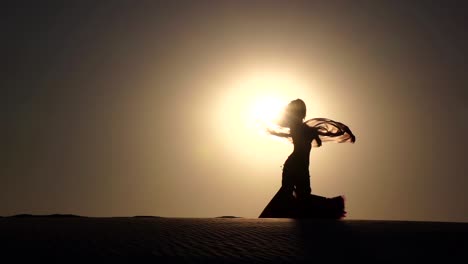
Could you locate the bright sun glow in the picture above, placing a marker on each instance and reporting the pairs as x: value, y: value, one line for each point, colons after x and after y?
x: 250, y: 105
x: 265, y: 112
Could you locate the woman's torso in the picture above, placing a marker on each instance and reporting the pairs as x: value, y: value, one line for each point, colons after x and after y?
x: 302, y: 137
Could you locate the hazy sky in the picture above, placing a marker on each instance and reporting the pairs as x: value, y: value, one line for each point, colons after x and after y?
x: 120, y: 108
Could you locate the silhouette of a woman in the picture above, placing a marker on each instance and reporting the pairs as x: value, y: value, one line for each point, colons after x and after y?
x: 295, y: 176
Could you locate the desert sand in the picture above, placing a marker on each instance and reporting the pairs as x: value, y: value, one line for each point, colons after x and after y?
x: 68, y: 238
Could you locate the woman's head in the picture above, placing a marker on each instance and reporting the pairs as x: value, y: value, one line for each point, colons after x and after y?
x: 294, y: 112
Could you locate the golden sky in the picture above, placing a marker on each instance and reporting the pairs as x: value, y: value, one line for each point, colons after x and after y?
x: 119, y: 109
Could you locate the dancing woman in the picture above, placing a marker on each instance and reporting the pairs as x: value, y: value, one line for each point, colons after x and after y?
x: 294, y: 199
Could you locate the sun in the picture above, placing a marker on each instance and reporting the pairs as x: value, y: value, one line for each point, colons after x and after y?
x: 265, y: 112
x: 252, y: 102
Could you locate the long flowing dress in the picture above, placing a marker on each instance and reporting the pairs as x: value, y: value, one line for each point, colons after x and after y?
x: 294, y: 198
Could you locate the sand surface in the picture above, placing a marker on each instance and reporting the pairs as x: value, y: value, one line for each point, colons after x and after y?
x: 229, y: 240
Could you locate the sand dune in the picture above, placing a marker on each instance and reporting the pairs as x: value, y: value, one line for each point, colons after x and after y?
x: 229, y: 240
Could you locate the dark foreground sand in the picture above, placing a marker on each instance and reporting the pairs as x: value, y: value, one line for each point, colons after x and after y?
x: 229, y: 240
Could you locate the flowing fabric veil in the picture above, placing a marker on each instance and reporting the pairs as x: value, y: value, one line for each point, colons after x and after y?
x: 327, y: 129
x: 331, y: 131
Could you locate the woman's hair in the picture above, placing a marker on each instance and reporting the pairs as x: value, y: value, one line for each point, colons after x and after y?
x: 297, y: 109
x: 294, y: 111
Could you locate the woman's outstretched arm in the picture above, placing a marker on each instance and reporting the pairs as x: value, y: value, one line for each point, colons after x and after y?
x: 315, y: 136
x: 278, y: 134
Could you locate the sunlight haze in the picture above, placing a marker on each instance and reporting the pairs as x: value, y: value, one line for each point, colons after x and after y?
x: 121, y: 108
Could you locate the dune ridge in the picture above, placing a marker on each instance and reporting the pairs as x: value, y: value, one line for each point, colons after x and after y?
x: 229, y: 240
